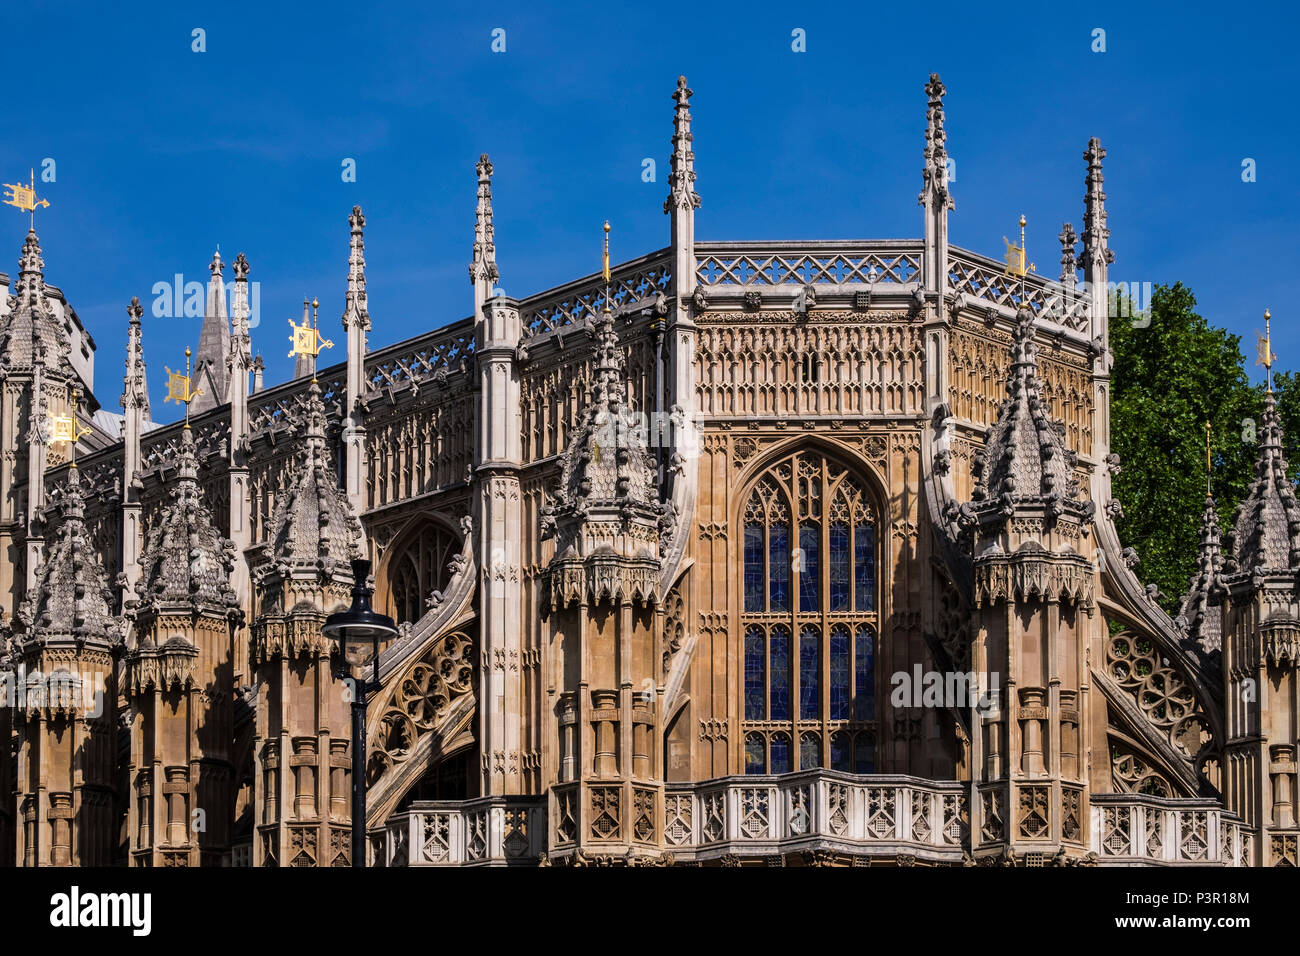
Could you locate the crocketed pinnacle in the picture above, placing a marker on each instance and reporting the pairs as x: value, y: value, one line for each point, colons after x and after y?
x: 607, y: 462
x: 210, y: 371
x: 935, y: 174
x: 135, y: 389
x: 1266, y: 538
x: 241, y: 345
x: 355, y: 310
x: 1025, y: 461
x: 31, y: 332
x: 70, y: 598
x: 681, y: 176
x: 483, y: 265
x: 1196, y: 612
x: 312, y: 525
x: 1095, y: 232
x: 186, y: 562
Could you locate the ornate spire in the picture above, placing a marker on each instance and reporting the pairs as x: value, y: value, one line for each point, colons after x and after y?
x: 608, y: 479
x: 241, y: 345
x: 1069, y: 261
x: 355, y: 309
x: 1025, y: 459
x: 31, y: 270
x: 1266, y: 539
x: 187, y: 562
x: 1095, y: 234
x: 312, y: 525
x: 210, y: 369
x: 1196, y: 612
x: 681, y: 178
x: 935, y: 175
x: 31, y: 333
x: 135, y: 390
x: 70, y: 597
x: 483, y: 267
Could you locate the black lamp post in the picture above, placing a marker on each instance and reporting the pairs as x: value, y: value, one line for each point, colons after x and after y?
x: 359, y: 631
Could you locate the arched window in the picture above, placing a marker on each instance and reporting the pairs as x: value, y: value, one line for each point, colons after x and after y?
x: 418, y: 568
x: 809, y: 619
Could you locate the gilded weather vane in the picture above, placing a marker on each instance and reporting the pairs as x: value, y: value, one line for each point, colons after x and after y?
x: 67, y: 428
x: 1015, y: 256
x: 24, y: 197
x: 178, y: 387
x: 307, y: 339
x: 1266, y: 354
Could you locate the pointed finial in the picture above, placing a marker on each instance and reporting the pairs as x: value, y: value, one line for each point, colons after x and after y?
x: 354, y: 306
x: 1069, y: 262
x: 935, y: 172
x: 483, y: 264
x: 605, y: 268
x: 135, y: 394
x: 681, y: 176
x: 1095, y: 232
x: 216, y: 267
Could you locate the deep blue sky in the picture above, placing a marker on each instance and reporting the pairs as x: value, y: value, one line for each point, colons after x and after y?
x: 162, y: 153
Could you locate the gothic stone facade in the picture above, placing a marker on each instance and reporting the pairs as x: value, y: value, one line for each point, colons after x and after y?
x: 780, y: 552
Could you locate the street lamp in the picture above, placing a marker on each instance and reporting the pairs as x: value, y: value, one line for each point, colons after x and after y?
x: 359, y: 631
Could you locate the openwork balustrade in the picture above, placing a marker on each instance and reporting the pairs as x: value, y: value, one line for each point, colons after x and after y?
x: 744, y: 815
x: 756, y: 265
x: 817, y: 810
x: 488, y: 831
x: 1140, y: 830
x: 986, y: 279
x: 573, y: 303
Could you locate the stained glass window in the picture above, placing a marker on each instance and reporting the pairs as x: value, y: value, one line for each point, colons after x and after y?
x: 864, y: 570
x: 839, y: 567
x: 810, y: 752
x: 780, y: 753
x: 840, y: 692
x: 864, y: 754
x: 809, y: 575
x: 808, y: 590
x: 779, y: 567
x: 755, y: 672
x: 865, y: 674
x: 840, y: 752
x: 810, y: 663
x: 753, y: 567
x: 779, y: 657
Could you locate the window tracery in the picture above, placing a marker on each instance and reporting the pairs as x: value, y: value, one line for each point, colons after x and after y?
x: 809, y: 619
x: 418, y: 568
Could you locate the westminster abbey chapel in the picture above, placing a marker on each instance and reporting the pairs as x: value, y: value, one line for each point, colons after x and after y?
x: 737, y: 553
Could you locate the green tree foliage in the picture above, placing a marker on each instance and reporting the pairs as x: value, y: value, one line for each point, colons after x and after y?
x: 1287, y: 387
x: 1169, y: 378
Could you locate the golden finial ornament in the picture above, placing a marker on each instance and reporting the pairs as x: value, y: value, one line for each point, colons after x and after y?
x: 1015, y: 255
x: 66, y: 428
x: 307, y: 339
x: 604, y: 267
x: 24, y: 197
x: 1264, y: 344
x: 178, y: 387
